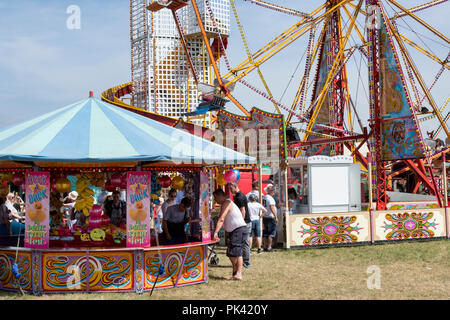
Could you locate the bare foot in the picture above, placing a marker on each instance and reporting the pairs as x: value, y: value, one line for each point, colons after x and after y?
x: 235, y: 278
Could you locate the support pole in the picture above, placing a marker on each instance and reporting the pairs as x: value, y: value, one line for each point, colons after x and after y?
x: 444, y: 178
x: 260, y: 181
x: 287, y: 229
x: 369, y: 170
x: 379, y: 176
x: 260, y: 193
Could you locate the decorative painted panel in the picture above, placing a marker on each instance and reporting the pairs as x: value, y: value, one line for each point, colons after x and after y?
x: 182, y: 266
x: 400, y: 137
x: 194, y: 267
x: 328, y: 229
x: 108, y: 271
x: 410, y: 205
x: 64, y: 271
x: 114, y: 271
x: 7, y: 280
x: 409, y: 224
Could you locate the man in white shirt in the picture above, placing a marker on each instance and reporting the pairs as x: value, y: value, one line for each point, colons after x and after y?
x: 255, y: 208
x: 231, y: 219
x: 270, y: 219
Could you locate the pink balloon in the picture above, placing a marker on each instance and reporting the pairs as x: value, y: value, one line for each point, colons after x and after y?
x: 109, y: 186
x: 165, y: 181
x: 18, y: 179
x: 95, y: 223
x: 95, y: 212
x: 53, y: 186
x: 123, y: 182
x: 116, y: 179
x: 230, y: 176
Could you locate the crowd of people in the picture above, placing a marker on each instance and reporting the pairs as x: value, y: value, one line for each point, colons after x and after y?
x: 241, y: 218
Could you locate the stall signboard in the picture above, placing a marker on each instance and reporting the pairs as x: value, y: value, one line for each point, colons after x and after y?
x: 138, y: 209
x: 261, y: 135
x: 204, y: 206
x: 37, y: 207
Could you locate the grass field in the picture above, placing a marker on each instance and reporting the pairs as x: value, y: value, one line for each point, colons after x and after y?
x: 409, y: 270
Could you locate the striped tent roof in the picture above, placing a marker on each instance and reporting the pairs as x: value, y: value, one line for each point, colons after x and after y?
x: 92, y: 131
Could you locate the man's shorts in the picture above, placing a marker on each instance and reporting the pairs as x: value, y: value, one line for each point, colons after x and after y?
x: 256, y: 229
x: 270, y: 227
x: 236, y: 239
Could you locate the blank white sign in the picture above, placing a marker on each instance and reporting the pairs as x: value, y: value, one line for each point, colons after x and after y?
x: 329, y: 186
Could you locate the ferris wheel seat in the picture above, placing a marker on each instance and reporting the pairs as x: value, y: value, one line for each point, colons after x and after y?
x: 208, y: 106
x: 174, y: 5
x: 205, y: 89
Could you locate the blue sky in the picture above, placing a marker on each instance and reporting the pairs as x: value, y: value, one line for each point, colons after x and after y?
x: 45, y: 66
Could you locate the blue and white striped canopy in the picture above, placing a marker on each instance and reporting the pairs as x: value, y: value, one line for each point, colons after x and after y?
x: 94, y: 131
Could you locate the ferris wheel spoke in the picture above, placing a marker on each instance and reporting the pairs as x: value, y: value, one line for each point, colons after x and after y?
x: 337, y: 66
x: 430, y: 55
x: 281, y: 42
x: 417, y: 8
x: 279, y: 8
x: 249, y: 54
x: 421, y: 21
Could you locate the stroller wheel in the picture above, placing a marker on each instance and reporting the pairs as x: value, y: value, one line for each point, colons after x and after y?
x: 214, y: 260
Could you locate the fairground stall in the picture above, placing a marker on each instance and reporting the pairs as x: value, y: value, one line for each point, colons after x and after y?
x: 330, y: 203
x: 83, y: 151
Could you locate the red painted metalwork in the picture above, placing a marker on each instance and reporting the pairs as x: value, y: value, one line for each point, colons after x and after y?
x: 331, y: 39
x: 330, y: 140
x: 378, y: 174
x: 337, y: 95
x: 421, y: 175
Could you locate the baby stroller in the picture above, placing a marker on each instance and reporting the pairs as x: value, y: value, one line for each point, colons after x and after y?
x: 212, y: 254
x: 213, y: 258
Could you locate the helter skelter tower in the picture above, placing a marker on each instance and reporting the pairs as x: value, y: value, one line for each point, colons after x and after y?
x: 163, y: 80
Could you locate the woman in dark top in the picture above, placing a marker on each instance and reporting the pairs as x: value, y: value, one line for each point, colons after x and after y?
x: 116, y: 209
x: 4, y: 218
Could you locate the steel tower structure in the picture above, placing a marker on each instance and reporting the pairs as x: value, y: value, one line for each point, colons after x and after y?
x: 163, y: 82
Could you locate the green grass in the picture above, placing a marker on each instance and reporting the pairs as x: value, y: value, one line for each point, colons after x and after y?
x: 409, y: 270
